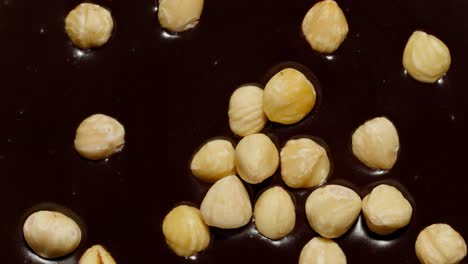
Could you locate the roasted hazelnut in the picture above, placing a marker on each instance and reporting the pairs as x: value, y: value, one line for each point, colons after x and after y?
x: 227, y: 204
x: 304, y: 163
x: 51, y: 234
x: 440, y: 244
x: 426, y: 58
x: 246, y: 116
x: 325, y: 26
x: 321, y: 250
x: 386, y: 210
x: 257, y: 158
x: 376, y: 143
x: 332, y: 210
x: 288, y: 97
x: 185, y: 231
x: 99, y: 136
x: 89, y: 25
x: 179, y: 15
x: 214, y: 161
x: 274, y: 213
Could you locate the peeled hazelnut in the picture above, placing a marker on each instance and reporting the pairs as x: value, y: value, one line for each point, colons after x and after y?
x: 304, y: 163
x: 214, y: 161
x: 89, y: 25
x: 99, y: 136
x: 332, y: 210
x: 376, y: 143
x: 97, y: 255
x: 325, y: 26
x: 179, y: 15
x: 257, y: 158
x: 246, y: 114
x: 185, y: 232
x: 288, y: 97
x: 321, y: 250
x: 274, y: 213
x: 426, y: 58
x: 227, y: 204
x: 51, y: 234
x: 386, y: 210
x: 440, y: 244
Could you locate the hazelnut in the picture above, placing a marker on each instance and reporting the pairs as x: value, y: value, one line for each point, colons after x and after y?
x: 304, y: 163
x: 51, y: 234
x: 376, y: 143
x: 89, y: 25
x: 386, y: 210
x: 257, y: 158
x: 332, y: 210
x: 99, y: 136
x: 321, y: 250
x: 246, y: 114
x: 325, y: 26
x: 288, y: 97
x: 227, y: 204
x: 185, y: 232
x: 426, y: 58
x: 274, y: 213
x: 440, y: 244
x: 97, y: 255
x: 179, y: 15
x: 214, y: 161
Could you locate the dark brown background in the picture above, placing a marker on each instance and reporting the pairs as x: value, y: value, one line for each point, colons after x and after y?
x: 172, y: 94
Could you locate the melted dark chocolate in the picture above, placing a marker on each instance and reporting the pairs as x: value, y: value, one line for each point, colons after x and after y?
x: 171, y: 94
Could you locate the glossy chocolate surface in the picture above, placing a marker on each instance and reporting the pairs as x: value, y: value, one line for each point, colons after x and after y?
x: 171, y: 94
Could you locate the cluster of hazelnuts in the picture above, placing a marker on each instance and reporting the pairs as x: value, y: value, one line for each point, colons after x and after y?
x: 287, y: 98
x: 331, y: 209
